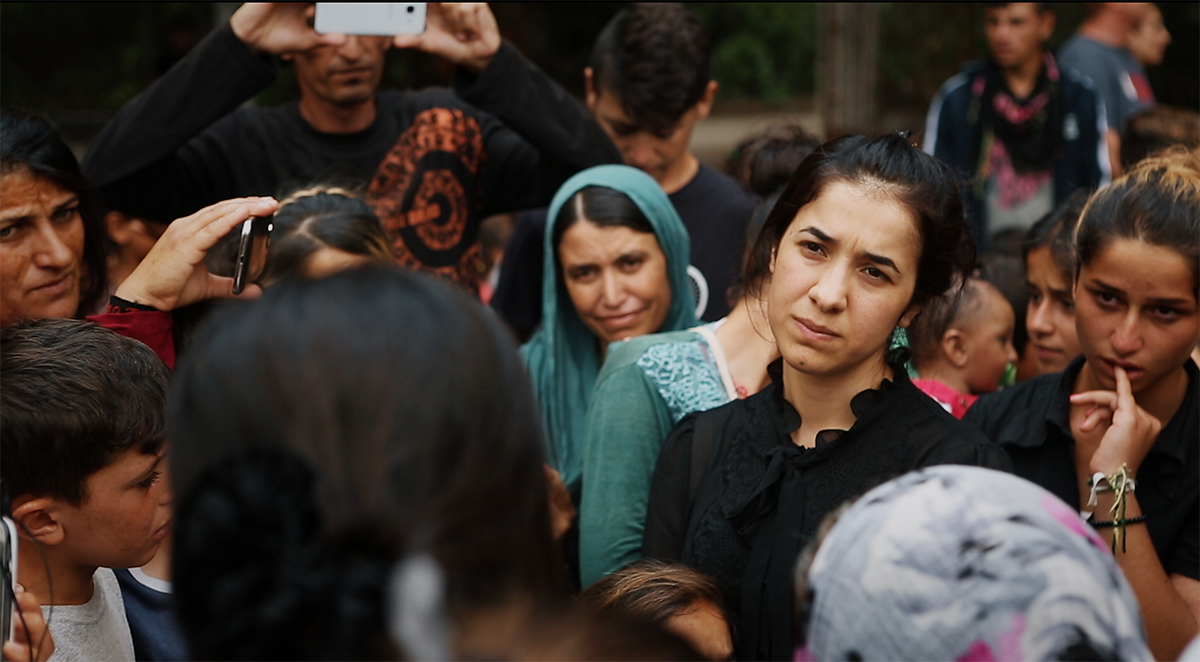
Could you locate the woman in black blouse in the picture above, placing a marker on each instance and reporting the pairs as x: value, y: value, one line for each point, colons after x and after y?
x: 1133, y: 398
x: 866, y: 232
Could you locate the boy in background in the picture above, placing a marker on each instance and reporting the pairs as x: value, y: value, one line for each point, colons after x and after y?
x: 648, y: 85
x: 82, y: 434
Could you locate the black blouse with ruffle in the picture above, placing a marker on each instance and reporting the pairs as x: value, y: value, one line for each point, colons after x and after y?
x: 762, y: 497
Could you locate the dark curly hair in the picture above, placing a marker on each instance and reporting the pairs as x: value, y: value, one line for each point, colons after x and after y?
x: 657, y: 59
x: 74, y: 396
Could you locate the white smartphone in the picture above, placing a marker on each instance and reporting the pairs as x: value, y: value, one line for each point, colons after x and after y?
x: 370, y: 18
x: 8, y: 555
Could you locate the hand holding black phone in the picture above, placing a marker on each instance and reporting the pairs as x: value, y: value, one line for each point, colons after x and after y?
x: 253, y: 243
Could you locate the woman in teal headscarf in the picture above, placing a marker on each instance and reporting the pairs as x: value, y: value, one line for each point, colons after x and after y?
x: 615, y: 267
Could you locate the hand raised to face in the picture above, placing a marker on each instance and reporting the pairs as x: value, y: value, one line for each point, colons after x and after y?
x: 280, y: 27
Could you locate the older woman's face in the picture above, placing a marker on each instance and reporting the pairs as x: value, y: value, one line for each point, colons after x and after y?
x: 41, y: 248
x: 616, y: 278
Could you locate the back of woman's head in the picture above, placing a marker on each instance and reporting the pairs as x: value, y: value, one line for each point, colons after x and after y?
x: 1157, y: 203
x: 892, y: 166
x: 324, y: 217
x: 29, y: 142
x: 324, y: 431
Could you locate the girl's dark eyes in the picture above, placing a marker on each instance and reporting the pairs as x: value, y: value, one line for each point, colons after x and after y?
x: 1166, y: 311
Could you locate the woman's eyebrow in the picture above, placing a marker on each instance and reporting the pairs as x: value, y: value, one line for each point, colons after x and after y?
x: 884, y: 261
x: 816, y: 232
x: 1157, y: 301
x: 877, y: 259
x: 73, y: 200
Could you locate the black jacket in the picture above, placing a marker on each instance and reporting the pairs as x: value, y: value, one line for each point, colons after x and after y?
x: 955, y: 137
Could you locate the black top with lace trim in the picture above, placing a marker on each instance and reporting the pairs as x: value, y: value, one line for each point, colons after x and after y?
x: 737, y: 531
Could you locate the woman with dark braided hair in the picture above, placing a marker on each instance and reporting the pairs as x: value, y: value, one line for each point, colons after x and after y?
x: 324, y: 450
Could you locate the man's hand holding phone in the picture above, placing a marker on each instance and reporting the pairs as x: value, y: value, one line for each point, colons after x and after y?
x: 464, y: 33
x: 277, y: 28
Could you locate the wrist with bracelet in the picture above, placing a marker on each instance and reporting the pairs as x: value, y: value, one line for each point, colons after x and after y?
x: 1121, y: 483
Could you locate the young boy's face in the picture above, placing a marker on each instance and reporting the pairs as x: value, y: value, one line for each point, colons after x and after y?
x: 654, y: 154
x: 124, y: 517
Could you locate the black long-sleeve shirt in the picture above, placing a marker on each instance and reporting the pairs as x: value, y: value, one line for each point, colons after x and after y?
x: 434, y: 163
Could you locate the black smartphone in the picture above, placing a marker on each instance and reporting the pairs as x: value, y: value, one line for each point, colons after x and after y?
x: 252, y: 252
x: 8, y: 556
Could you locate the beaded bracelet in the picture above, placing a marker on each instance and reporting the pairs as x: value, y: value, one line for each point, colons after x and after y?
x: 1132, y: 520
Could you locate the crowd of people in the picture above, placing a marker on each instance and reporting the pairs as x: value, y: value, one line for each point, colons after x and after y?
x: 851, y: 399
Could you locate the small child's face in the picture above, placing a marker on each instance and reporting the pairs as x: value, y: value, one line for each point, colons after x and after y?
x: 989, y: 342
x: 126, y: 513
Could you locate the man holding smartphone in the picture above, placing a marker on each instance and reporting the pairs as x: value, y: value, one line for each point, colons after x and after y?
x: 434, y: 163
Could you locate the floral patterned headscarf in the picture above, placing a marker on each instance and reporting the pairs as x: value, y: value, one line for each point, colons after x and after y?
x: 965, y: 563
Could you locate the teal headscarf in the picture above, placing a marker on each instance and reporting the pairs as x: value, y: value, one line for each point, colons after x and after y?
x: 563, y: 356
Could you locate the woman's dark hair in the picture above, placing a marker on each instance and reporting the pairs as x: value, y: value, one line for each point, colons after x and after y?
x: 602, y: 206
x: 765, y: 162
x: 929, y: 189
x: 312, y: 219
x: 654, y: 590
x: 331, y: 428
x: 756, y: 256
x: 1056, y: 231
x: 29, y: 141
x: 1157, y: 203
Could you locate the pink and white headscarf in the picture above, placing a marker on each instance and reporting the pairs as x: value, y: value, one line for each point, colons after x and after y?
x: 965, y: 563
